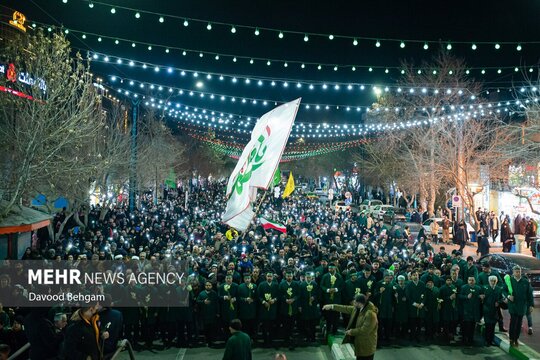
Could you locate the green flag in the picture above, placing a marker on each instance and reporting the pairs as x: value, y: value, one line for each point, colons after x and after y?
x: 277, y: 177
x: 171, y: 180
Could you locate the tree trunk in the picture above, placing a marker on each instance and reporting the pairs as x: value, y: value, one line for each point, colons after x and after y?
x: 61, y: 229
x: 78, y: 220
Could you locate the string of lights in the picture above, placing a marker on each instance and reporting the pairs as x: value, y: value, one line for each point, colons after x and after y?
x: 224, y: 98
x: 235, y: 149
x: 312, y: 85
x: 168, y: 49
x: 213, y: 119
x: 304, y: 36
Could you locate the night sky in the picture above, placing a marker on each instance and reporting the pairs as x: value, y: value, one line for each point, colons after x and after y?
x: 439, y: 22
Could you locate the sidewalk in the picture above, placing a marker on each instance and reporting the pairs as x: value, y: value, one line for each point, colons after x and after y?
x: 529, y: 347
x: 523, y: 351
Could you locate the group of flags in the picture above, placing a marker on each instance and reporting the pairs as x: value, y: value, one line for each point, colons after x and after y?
x: 289, y: 187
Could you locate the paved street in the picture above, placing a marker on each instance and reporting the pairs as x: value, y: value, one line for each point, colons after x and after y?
x: 322, y: 353
x: 204, y: 353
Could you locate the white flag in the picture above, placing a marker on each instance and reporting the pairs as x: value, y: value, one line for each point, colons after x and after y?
x: 258, y: 163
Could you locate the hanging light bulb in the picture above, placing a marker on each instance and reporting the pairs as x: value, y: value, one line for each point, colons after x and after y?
x: 233, y: 30
x: 116, y: 42
x: 518, y: 47
x: 449, y: 46
x: 161, y: 19
x: 280, y: 35
x: 137, y: 15
x: 473, y: 46
x: 91, y: 5
x: 65, y: 1
x: 306, y: 38
x: 331, y: 37
x: 257, y: 32
x: 209, y: 26
x: 378, y: 43
x: 497, y: 46
x: 113, y: 11
x: 186, y: 23
x: 355, y: 42
x: 402, y: 45
x: 426, y: 46
x: 133, y: 44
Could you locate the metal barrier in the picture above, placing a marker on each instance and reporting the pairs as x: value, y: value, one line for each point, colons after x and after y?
x: 122, y: 345
x: 20, y: 351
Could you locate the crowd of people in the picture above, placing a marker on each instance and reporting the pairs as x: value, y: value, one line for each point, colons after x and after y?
x: 278, y: 284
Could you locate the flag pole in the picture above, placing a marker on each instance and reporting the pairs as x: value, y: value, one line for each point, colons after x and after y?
x: 256, y: 211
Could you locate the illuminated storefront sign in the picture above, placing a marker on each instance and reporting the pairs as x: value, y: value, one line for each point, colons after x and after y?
x: 18, y: 21
x: 22, y: 77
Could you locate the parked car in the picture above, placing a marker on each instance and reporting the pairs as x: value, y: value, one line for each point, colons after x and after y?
x: 379, y: 210
x: 414, y: 229
x: 504, y: 262
x: 426, y: 225
x: 369, y: 205
x: 394, y: 215
x: 340, y: 205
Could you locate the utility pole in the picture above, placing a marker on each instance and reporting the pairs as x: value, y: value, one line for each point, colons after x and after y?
x: 133, y: 158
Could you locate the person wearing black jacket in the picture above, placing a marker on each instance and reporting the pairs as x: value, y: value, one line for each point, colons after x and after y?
x: 43, y: 338
x: 83, y: 335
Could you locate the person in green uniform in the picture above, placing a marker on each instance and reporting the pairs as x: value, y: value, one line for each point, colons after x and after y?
x: 352, y: 288
x: 289, y: 295
x: 520, y: 300
x: 483, y: 281
x: 470, y: 296
x: 470, y: 269
x: 309, y: 306
x: 247, y: 306
x: 331, y: 287
x: 490, y: 305
x: 321, y: 270
x: 458, y: 260
x: 383, y: 299
x: 449, y: 315
x: 415, y: 293
x: 228, y: 293
x: 367, y: 281
x: 268, y: 294
x: 401, y: 315
x: 239, y: 344
x: 209, y: 310
x: 431, y: 308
